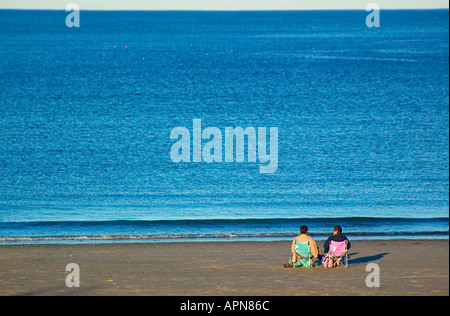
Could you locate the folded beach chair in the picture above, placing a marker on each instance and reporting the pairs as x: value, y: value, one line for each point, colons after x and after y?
x: 337, y: 255
x: 303, y: 254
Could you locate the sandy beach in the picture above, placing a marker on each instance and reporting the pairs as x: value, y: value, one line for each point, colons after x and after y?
x: 407, y: 268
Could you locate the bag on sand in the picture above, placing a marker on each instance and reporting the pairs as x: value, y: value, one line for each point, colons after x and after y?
x: 327, y: 262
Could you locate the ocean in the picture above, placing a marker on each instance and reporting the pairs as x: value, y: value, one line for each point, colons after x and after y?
x: 86, y: 116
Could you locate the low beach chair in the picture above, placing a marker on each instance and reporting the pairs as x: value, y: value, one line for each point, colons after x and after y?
x: 337, y: 255
x: 303, y: 254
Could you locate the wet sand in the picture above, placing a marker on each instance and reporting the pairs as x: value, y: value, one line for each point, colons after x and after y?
x: 407, y: 268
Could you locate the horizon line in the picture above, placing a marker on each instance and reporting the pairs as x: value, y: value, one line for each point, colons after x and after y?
x: 221, y: 10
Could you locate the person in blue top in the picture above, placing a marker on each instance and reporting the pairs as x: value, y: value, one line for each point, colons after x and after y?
x: 337, y: 236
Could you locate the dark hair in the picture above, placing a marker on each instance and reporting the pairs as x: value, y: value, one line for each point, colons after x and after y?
x: 338, y: 229
x: 303, y: 229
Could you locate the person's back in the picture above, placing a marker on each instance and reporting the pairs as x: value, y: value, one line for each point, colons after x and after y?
x: 303, y: 237
x: 338, y: 237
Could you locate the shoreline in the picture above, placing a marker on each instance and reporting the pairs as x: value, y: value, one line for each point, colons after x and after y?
x: 221, y: 269
x: 232, y: 229
x: 110, y: 240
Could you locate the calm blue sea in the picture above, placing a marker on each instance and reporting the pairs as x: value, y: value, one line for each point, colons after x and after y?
x: 86, y: 115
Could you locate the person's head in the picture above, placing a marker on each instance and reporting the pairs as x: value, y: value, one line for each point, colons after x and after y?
x: 303, y: 229
x: 337, y: 229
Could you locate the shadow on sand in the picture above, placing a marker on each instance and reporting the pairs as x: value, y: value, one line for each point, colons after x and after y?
x: 367, y: 259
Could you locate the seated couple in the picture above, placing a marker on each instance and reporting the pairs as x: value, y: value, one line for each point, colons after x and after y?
x: 314, y: 250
